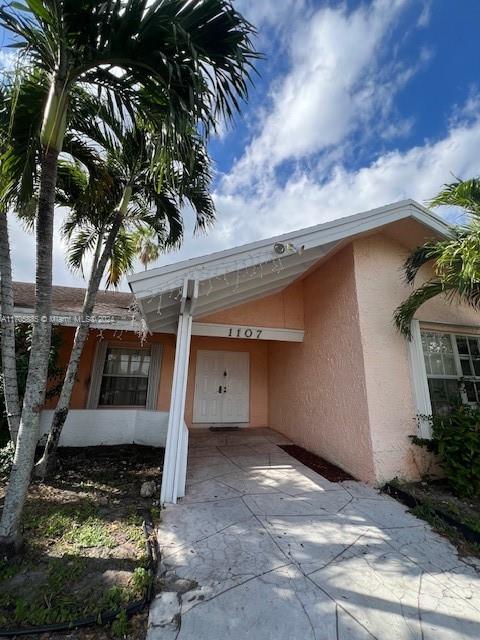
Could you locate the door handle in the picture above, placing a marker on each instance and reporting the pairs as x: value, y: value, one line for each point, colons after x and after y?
x: 220, y: 389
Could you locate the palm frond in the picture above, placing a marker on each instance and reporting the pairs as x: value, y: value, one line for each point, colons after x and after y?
x: 194, y: 57
x: 82, y: 242
x: 72, y: 183
x: 146, y: 244
x: 121, y: 259
x: 23, y: 101
x: 461, y: 193
x: 405, y: 312
x: 419, y: 257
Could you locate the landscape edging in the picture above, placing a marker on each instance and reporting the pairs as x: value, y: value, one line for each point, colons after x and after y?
x: 412, y: 501
x: 108, y: 616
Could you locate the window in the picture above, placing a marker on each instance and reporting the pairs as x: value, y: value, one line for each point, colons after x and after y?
x: 452, y: 363
x: 125, y: 377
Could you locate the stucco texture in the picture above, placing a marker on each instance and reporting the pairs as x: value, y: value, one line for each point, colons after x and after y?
x: 380, y: 289
x: 282, y: 310
x: 387, y: 374
x: 318, y: 396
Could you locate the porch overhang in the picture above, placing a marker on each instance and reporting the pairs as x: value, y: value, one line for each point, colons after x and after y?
x: 249, y: 272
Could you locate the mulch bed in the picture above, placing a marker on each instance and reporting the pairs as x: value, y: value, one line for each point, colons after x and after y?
x: 84, y: 549
x: 312, y: 461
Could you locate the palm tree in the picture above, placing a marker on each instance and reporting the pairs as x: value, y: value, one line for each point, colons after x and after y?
x: 186, y: 59
x: 7, y: 326
x: 106, y: 217
x: 21, y: 100
x: 455, y: 260
x: 146, y: 246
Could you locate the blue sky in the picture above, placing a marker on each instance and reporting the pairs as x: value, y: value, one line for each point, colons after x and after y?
x: 357, y: 104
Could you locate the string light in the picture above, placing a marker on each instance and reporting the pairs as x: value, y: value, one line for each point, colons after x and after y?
x: 250, y: 267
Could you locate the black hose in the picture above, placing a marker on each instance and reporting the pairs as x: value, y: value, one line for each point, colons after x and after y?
x: 102, y: 618
x: 108, y: 616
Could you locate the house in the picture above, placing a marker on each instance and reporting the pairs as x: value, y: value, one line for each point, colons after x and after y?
x: 294, y: 332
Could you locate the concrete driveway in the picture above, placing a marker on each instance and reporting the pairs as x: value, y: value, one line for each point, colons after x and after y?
x: 264, y: 548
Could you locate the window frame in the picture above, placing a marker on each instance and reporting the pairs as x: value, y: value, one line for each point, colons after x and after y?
x: 104, y: 375
x: 457, y: 357
x: 97, y: 375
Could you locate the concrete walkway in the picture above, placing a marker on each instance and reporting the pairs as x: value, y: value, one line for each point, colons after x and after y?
x: 264, y: 548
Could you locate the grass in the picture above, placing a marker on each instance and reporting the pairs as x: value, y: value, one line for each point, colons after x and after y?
x: 84, y: 543
x: 438, y: 524
x: 436, y: 497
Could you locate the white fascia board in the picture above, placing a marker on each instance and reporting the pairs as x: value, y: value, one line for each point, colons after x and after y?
x: 144, y: 283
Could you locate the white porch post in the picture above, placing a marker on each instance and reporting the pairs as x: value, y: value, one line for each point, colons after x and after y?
x: 176, y: 450
x: 421, y: 394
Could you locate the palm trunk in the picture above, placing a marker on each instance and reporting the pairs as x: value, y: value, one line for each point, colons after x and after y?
x: 9, y: 362
x: 47, y: 463
x: 10, y: 537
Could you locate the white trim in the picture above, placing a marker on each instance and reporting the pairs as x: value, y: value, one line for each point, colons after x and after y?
x: 97, y: 373
x: 176, y: 450
x: 454, y: 332
x: 309, y: 237
x: 246, y: 332
x: 225, y: 406
x: 421, y: 393
x: 448, y: 327
x: 242, y: 274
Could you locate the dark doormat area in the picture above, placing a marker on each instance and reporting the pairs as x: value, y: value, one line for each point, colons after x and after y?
x: 321, y: 466
x: 221, y: 429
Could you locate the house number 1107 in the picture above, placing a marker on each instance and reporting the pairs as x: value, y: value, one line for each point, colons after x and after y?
x: 244, y: 333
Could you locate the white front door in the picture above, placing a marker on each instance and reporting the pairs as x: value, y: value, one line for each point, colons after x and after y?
x: 222, y: 387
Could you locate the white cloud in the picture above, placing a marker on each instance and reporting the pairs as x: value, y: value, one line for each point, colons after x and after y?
x: 22, y: 243
x: 425, y: 15
x: 8, y: 60
x: 274, y: 13
x: 335, y: 84
x: 306, y: 199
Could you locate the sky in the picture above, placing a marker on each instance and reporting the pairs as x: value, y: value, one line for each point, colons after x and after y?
x: 356, y: 104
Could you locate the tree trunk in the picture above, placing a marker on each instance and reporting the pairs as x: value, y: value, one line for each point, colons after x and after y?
x: 47, y: 463
x: 10, y: 537
x: 9, y: 362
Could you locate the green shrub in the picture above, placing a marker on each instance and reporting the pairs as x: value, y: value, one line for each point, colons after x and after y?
x: 6, y: 460
x: 23, y: 334
x: 120, y: 625
x: 456, y: 441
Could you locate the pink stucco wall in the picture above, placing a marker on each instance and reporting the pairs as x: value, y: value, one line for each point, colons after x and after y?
x: 387, y: 374
x: 280, y: 310
x: 317, y: 391
x: 346, y: 393
x: 380, y: 289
